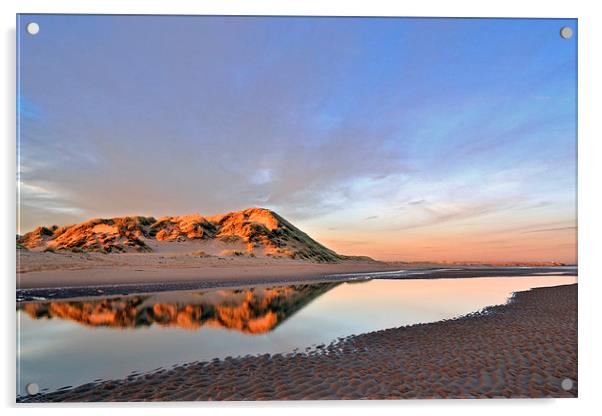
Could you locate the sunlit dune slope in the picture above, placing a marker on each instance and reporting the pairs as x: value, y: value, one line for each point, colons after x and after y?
x: 253, y: 231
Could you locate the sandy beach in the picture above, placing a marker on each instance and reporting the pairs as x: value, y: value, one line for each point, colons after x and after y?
x: 522, y: 349
x: 36, y: 269
x: 69, y: 275
x: 44, y: 269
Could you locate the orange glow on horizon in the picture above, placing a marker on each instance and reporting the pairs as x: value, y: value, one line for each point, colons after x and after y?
x: 554, y: 246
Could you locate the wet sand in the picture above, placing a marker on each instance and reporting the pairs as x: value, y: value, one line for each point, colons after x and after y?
x: 522, y: 349
x: 69, y: 275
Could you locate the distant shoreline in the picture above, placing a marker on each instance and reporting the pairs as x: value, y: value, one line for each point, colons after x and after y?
x: 128, y: 280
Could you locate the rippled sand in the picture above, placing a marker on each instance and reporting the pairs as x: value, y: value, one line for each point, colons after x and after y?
x: 522, y: 349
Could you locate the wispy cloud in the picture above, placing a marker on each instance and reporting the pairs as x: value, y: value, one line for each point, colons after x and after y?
x: 437, y: 215
x: 547, y: 230
x: 417, y: 202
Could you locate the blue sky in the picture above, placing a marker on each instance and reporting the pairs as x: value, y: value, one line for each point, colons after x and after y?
x: 397, y: 138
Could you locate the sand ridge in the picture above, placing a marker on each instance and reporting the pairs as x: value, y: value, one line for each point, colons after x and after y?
x: 252, y: 231
x: 522, y: 349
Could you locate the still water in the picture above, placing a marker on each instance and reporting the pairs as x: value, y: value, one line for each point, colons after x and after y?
x: 71, y: 342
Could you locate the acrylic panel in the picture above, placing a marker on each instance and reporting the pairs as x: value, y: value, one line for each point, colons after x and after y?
x: 295, y: 208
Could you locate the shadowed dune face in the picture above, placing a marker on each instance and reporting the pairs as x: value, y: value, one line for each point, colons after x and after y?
x: 250, y: 311
x: 253, y: 231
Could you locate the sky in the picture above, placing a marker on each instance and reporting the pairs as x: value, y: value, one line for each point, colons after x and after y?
x: 398, y: 138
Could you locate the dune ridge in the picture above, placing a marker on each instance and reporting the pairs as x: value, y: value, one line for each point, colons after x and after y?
x: 253, y: 231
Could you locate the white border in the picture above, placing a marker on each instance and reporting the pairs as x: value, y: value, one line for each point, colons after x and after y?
x: 590, y: 207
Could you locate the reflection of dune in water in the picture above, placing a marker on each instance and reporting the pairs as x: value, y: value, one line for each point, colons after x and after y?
x: 251, y: 311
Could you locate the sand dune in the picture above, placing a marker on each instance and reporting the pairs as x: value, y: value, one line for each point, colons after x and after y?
x: 255, y: 232
x: 522, y: 349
